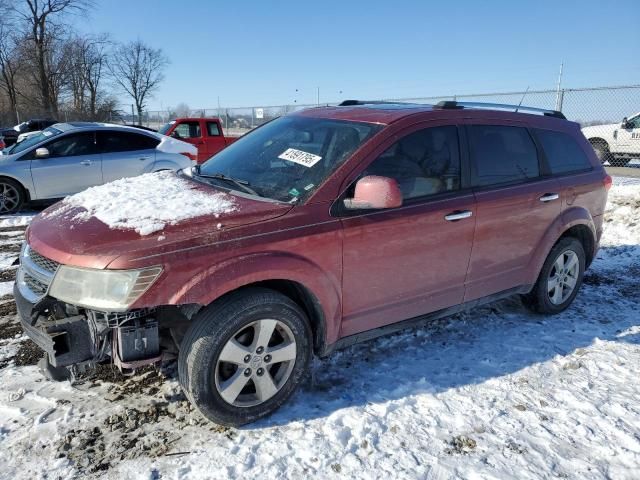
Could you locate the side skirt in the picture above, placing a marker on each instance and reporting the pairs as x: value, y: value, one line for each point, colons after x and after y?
x: 420, y: 320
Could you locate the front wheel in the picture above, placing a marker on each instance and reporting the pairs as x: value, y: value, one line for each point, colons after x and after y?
x: 245, y: 356
x: 11, y: 196
x: 560, y: 277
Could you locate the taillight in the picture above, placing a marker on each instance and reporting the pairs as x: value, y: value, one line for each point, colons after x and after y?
x: 608, y: 182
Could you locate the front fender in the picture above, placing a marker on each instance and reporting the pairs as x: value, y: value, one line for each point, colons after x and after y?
x: 570, y: 217
x: 217, y: 280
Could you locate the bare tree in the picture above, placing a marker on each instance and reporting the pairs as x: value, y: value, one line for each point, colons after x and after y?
x: 138, y: 69
x: 40, y: 18
x: 10, y: 66
x: 182, y: 110
x: 86, y: 71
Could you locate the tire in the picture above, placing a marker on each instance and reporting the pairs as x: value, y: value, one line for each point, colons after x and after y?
x: 602, y: 151
x: 545, y: 299
x: 231, y: 328
x: 12, y: 196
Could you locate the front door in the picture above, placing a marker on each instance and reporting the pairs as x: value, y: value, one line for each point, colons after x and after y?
x: 515, y: 207
x: 73, y: 165
x: 189, y: 131
x: 411, y: 260
x: 628, y: 137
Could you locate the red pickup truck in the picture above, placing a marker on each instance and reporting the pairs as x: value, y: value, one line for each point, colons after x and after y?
x: 204, y: 133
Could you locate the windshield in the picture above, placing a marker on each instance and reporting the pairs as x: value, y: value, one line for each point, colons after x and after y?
x: 165, y: 128
x: 289, y: 158
x: 33, y: 140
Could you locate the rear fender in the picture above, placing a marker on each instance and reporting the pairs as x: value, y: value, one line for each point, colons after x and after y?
x: 163, y: 165
x: 214, y: 282
x: 569, y: 218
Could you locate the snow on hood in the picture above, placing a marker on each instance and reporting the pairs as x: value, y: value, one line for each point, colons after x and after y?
x: 145, y: 204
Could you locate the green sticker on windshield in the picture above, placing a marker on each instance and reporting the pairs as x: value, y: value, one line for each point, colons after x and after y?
x: 294, y: 192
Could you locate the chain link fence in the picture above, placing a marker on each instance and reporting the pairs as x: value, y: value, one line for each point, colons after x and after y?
x: 587, y: 106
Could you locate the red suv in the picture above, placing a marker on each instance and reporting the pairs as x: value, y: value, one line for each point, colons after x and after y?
x: 336, y: 225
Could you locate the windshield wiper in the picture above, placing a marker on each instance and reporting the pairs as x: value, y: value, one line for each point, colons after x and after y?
x: 242, y: 184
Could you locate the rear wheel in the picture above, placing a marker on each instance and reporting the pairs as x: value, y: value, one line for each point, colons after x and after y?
x: 11, y: 196
x: 560, y: 277
x: 602, y: 151
x: 244, y: 356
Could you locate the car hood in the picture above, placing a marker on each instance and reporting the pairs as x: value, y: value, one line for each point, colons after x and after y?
x: 600, y: 129
x: 57, y: 234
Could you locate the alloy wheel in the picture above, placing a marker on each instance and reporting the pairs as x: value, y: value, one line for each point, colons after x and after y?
x: 563, y: 277
x: 9, y: 198
x: 255, y: 363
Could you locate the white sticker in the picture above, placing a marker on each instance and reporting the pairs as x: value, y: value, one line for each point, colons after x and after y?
x: 300, y: 157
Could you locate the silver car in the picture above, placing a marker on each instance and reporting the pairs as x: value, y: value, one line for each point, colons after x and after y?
x: 67, y: 158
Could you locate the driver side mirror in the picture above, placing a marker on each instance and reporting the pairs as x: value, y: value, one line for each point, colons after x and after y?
x: 42, y: 152
x: 374, y: 192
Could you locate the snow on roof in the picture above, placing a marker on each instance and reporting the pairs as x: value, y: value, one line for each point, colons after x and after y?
x: 146, y: 203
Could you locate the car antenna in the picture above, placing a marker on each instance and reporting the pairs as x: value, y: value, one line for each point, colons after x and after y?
x: 522, y: 99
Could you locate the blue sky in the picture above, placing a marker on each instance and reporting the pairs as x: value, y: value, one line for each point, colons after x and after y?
x: 260, y: 52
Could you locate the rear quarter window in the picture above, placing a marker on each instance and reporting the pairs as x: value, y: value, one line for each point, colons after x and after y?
x: 501, y: 154
x: 563, y: 153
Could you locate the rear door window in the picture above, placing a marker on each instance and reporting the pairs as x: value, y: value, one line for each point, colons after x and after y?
x: 126, y: 141
x: 501, y: 154
x: 563, y: 153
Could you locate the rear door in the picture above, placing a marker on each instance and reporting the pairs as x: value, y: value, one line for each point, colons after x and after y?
x: 408, y: 261
x: 214, y: 140
x: 126, y: 154
x: 516, y: 206
x: 74, y: 164
x: 190, y: 131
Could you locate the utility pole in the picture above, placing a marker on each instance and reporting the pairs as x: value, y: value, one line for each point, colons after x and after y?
x: 559, y: 92
x: 133, y: 115
x: 318, y: 96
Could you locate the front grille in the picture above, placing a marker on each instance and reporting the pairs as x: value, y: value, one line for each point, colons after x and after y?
x: 43, y: 262
x: 35, y: 285
x: 35, y: 274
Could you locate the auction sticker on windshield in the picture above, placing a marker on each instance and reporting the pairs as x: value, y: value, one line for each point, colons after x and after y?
x: 298, y: 156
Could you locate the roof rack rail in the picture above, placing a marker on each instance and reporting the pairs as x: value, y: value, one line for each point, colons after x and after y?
x: 351, y: 103
x: 452, y: 104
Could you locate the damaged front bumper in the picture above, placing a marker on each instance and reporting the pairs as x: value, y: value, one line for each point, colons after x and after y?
x: 130, y: 339
x: 66, y: 341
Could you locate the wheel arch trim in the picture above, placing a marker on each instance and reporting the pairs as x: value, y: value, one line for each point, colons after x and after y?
x: 271, y: 267
x: 568, y: 219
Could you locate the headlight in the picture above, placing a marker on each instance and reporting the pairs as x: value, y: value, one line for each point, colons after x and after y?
x: 107, y: 290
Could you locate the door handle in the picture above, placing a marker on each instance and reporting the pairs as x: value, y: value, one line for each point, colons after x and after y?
x: 86, y: 163
x: 142, y: 159
x: 458, y: 215
x: 548, y: 197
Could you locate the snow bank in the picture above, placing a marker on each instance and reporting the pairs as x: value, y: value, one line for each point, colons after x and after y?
x: 17, y: 220
x: 146, y: 203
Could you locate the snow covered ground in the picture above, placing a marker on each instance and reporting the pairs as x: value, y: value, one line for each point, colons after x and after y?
x: 495, y: 393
